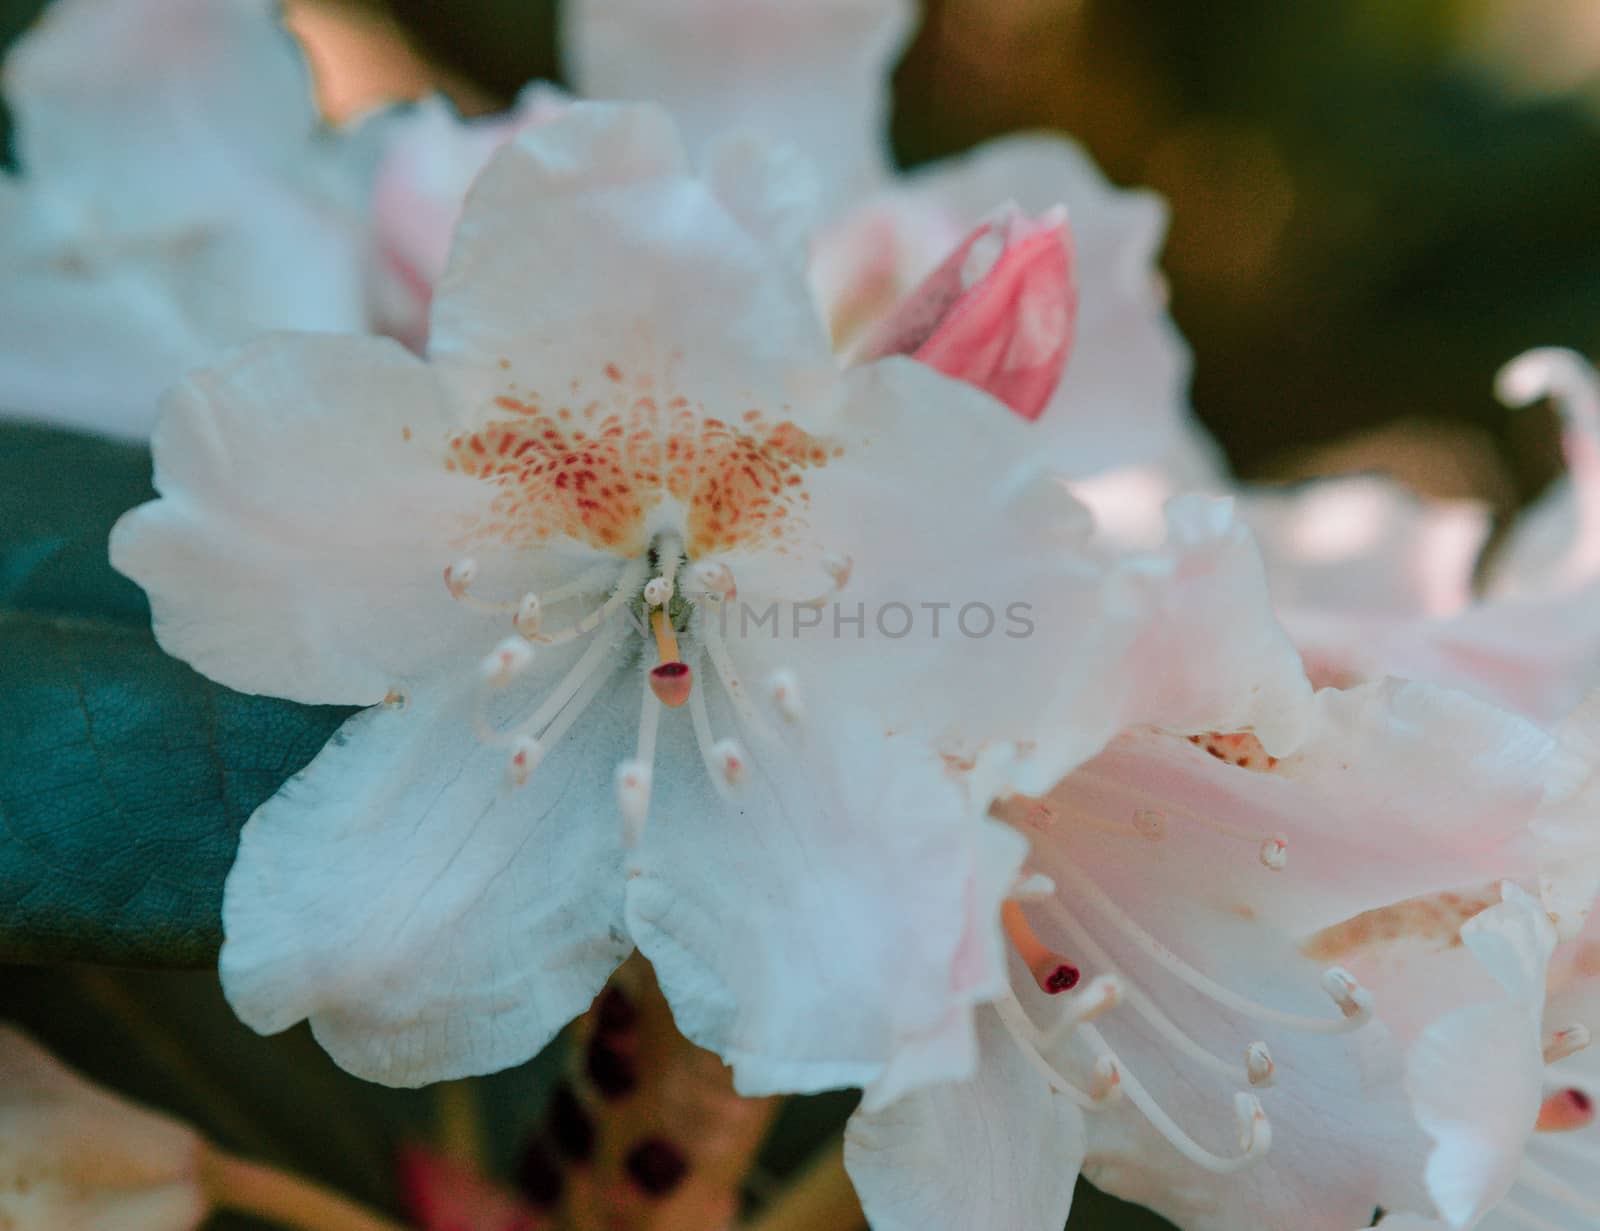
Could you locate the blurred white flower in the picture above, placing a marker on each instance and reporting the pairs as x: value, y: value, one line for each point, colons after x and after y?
x: 76, y: 1158
x: 629, y: 477
x: 175, y: 195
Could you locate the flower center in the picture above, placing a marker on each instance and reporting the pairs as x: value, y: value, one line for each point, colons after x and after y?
x: 595, y: 464
x: 643, y: 613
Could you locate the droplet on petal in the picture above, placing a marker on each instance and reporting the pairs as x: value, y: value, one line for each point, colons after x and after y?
x: 1150, y: 824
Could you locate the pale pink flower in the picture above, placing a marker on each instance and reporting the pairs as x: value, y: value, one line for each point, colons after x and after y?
x: 1180, y: 1023
x: 76, y: 1158
x: 628, y: 403
x: 176, y: 195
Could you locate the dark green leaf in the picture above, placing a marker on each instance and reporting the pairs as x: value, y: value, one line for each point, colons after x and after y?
x: 124, y: 780
x: 60, y: 494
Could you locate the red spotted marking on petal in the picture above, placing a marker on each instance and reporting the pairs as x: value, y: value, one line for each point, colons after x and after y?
x: 1239, y: 748
x: 594, y: 473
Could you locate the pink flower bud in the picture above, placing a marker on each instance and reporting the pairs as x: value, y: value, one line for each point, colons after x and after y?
x: 998, y: 313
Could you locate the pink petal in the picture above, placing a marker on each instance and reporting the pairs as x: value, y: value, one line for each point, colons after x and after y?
x: 443, y: 1195
x: 1001, y: 321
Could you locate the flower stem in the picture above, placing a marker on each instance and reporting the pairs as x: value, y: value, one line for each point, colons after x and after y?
x: 821, y: 1196
x: 281, y: 1197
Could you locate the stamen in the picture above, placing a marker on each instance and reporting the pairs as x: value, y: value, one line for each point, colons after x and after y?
x: 458, y: 579
x: 633, y: 797
x: 1353, y: 1001
x: 526, y: 753
x: 594, y: 656
x: 722, y: 664
x: 529, y: 615
x: 459, y: 576
x: 1567, y: 1041
x: 1258, y: 1064
x: 706, y: 742
x: 1032, y: 887
x: 627, y: 585
x: 1141, y: 1003
x: 784, y: 689
x: 658, y: 591
x: 1052, y: 972
x: 714, y: 578
x: 1027, y: 1038
x: 730, y: 758
x: 671, y: 683
x: 1104, y: 993
x: 1255, y: 1131
x: 1275, y: 854
x: 1564, y: 1111
x: 506, y: 661
x: 671, y: 680
x: 1105, y: 1079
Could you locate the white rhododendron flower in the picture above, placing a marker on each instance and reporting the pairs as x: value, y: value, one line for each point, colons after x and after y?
x: 626, y: 546
x: 174, y: 198
x: 1183, y: 1023
x: 918, y: 265
x: 73, y: 1157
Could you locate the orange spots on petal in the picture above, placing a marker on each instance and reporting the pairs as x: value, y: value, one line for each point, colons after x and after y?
x: 737, y: 486
x: 1239, y: 748
x: 1433, y: 920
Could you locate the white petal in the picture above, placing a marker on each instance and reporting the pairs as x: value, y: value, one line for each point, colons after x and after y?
x: 813, y: 74
x: 175, y: 81
x: 628, y: 280
x: 1000, y: 1151
x: 1476, y: 1075
x: 306, y: 520
x: 428, y: 918
x: 89, y: 1159
x: 968, y: 569
x: 808, y: 926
